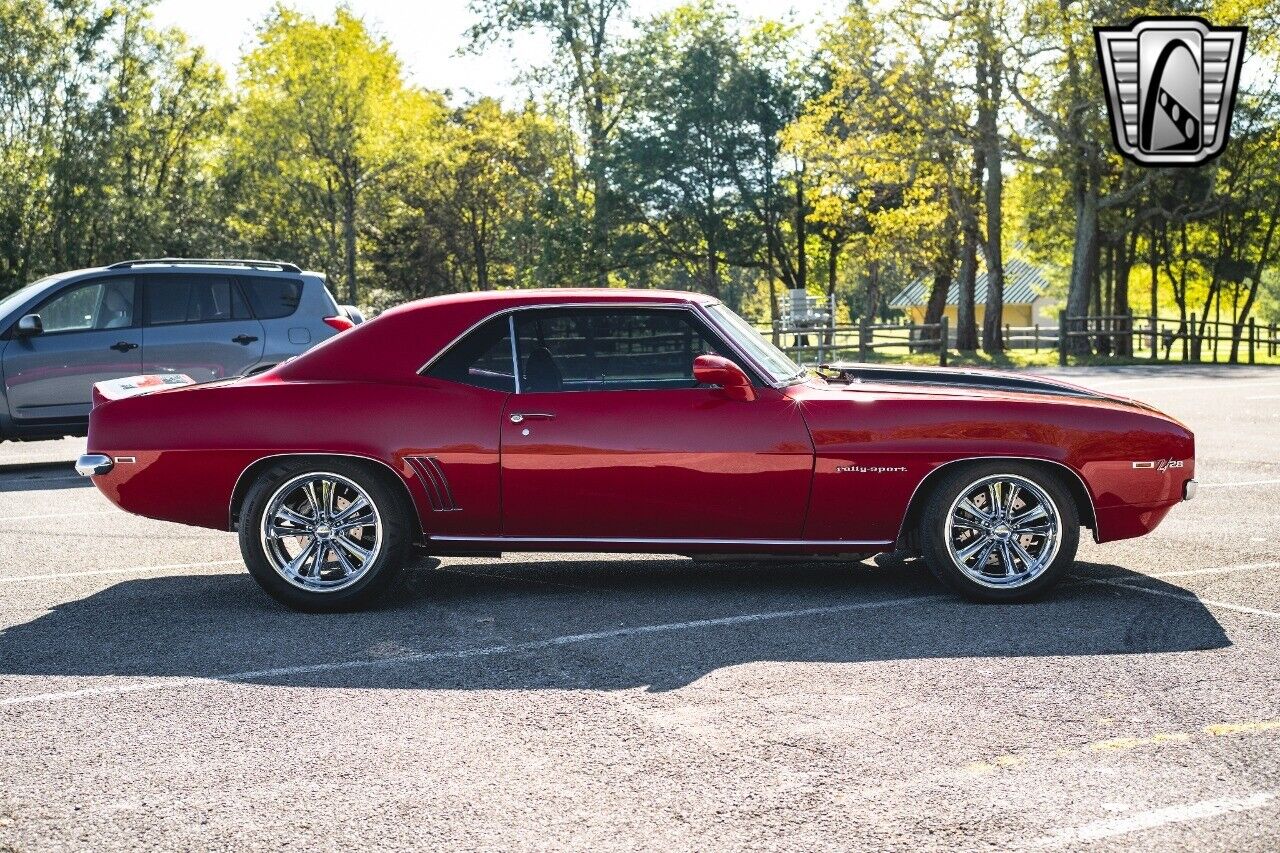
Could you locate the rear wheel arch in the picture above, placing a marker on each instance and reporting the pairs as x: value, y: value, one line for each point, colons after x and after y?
x: 1067, y: 476
x: 376, y: 468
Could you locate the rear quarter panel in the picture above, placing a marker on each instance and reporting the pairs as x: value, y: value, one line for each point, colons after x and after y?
x: 192, y: 445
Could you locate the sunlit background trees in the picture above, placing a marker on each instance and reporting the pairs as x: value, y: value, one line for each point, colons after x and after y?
x: 914, y: 140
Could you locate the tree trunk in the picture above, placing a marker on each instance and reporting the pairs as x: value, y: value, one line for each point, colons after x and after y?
x: 1082, y: 263
x: 943, y: 276
x: 1120, y: 297
x: 966, y: 326
x: 349, y: 241
x: 988, y: 118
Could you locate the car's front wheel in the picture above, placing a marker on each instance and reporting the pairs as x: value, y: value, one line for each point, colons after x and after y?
x: 999, y: 531
x: 324, y: 535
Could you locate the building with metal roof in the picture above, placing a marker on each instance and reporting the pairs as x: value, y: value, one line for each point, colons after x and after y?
x: 1025, y: 302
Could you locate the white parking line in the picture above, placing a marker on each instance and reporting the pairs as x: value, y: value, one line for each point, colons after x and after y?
x: 129, y: 570
x: 1156, y: 817
x: 571, y: 639
x: 465, y: 654
x: 1192, y: 597
x: 4, y: 518
x: 1240, y: 483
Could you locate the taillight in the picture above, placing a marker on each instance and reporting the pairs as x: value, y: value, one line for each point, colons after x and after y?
x: 340, y: 323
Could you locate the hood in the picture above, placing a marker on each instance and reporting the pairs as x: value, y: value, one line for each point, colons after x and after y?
x: 966, y: 382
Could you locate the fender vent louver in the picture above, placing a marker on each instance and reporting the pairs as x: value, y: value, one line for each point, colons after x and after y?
x: 437, y: 484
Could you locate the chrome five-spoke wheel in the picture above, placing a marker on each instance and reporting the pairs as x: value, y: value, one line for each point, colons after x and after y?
x: 321, y: 532
x: 1003, y: 531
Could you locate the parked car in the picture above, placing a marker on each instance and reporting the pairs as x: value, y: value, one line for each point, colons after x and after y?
x: 633, y: 421
x: 209, y: 319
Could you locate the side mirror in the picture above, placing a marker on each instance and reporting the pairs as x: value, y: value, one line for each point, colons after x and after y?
x: 714, y: 370
x: 29, y: 325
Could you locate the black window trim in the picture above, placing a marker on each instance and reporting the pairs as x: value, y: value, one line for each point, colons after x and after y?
x: 69, y: 286
x: 699, y: 321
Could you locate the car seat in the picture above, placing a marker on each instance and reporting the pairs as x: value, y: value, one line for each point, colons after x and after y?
x: 540, y: 371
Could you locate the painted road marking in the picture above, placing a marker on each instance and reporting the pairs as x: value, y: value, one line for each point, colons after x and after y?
x: 466, y: 654
x: 1156, y: 817
x: 1124, y: 744
x: 1192, y: 597
x: 1241, y: 483
x: 4, y: 518
x: 536, y: 645
x: 121, y: 571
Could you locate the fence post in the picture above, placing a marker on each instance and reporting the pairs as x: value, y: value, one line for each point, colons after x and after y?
x: 863, y: 334
x: 1008, y: 343
x: 1252, y: 334
x: 1036, y: 337
x: 943, y: 340
x: 1062, y: 338
x: 1196, y: 347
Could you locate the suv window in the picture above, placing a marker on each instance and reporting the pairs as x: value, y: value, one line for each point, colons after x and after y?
x: 193, y: 299
x: 105, y: 304
x: 593, y: 349
x: 273, y: 298
x: 482, y: 358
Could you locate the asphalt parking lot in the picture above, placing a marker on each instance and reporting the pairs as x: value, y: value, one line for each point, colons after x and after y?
x: 152, y: 697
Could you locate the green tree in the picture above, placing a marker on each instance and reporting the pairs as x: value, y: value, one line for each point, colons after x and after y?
x: 325, y: 120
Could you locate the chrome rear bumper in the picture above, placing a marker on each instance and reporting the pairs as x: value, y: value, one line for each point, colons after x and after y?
x: 93, y: 464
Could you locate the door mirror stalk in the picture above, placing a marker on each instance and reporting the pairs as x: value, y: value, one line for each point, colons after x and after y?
x: 714, y: 370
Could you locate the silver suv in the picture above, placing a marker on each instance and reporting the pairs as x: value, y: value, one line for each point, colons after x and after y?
x: 209, y: 319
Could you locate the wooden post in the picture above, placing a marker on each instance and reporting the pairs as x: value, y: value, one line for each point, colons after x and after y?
x: 1036, y: 337
x: 1062, y: 338
x: 1195, y: 351
x: 1008, y: 341
x: 943, y: 341
x: 863, y: 334
x: 1252, y: 333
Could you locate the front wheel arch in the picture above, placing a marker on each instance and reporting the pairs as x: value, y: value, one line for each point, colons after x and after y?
x: 1064, y: 474
x: 376, y: 467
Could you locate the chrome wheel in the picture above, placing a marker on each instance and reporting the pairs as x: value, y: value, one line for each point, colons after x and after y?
x: 1003, y: 531
x: 321, y: 532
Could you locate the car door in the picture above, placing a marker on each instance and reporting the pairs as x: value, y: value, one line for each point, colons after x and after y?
x: 90, y: 334
x: 198, y: 324
x: 610, y: 437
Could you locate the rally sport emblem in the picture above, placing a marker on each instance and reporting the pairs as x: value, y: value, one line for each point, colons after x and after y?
x: 1171, y: 85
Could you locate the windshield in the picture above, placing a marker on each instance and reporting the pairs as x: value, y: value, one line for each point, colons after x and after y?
x: 775, y: 362
x: 13, y: 300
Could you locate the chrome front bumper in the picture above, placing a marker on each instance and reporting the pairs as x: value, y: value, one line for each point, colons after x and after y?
x: 93, y: 464
x: 1189, y: 490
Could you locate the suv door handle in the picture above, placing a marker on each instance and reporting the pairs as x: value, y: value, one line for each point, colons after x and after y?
x: 123, y: 346
x: 244, y: 340
x: 521, y: 417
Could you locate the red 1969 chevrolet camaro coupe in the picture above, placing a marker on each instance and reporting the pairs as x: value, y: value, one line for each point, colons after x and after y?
x: 629, y: 421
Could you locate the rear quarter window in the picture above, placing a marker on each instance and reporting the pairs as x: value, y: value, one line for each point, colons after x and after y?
x: 273, y: 298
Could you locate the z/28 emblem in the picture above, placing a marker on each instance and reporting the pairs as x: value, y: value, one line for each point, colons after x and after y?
x: 1161, y: 465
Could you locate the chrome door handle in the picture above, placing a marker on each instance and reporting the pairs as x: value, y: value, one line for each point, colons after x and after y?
x: 521, y: 417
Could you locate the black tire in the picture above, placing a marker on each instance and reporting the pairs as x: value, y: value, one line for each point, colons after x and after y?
x: 393, y: 511
x: 934, y: 534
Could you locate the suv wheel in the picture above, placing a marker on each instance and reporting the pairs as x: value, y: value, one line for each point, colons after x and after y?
x: 324, y: 535
x: 999, y: 531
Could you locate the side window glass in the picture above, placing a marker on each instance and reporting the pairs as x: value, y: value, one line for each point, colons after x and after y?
x: 273, y: 298
x: 609, y: 349
x: 168, y: 298
x: 104, y: 304
x: 211, y: 300
x: 482, y: 358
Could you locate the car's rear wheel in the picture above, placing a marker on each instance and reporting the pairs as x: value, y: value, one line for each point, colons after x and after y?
x: 999, y: 531
x: 324, y: 535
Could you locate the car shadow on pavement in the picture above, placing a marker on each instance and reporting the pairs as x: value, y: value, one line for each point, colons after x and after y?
x: 589, y: 624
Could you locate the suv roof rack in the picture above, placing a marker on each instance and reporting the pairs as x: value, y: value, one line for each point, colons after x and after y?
x: 283, y: 266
